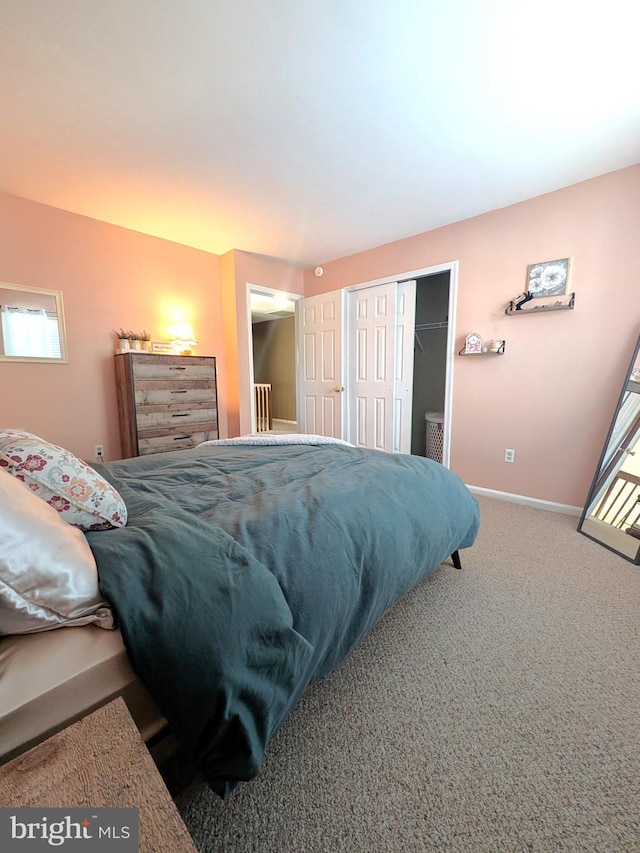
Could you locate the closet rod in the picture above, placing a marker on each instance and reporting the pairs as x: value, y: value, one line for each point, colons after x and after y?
x: 421, y: 327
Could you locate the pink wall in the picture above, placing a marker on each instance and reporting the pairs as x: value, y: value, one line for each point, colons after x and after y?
x: 551, y: 396
x: 110, y: 277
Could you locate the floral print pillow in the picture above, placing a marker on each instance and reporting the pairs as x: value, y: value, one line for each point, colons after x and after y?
x: 81, y: 496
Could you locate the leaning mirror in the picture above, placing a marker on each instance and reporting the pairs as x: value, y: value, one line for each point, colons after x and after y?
x: 32, y: 324
x: 612, y: 512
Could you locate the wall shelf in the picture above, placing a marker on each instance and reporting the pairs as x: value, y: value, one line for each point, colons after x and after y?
x: 499, y: 351
x: 512, y: 311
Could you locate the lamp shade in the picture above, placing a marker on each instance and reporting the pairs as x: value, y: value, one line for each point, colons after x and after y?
x: 182, y: 338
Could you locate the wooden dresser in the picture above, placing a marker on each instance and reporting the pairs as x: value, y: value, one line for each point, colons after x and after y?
x: 165, y: 402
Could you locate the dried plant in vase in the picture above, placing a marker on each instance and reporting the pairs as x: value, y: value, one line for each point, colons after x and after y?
x: 124, y: 340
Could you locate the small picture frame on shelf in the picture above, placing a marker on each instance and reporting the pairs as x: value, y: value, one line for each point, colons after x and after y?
x: 162, y: 348
x: 549, y: 278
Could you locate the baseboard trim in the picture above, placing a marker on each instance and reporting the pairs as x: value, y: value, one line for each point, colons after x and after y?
x: 536, y: 503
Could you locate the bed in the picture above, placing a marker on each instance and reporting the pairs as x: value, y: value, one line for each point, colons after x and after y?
x: 249, y: 568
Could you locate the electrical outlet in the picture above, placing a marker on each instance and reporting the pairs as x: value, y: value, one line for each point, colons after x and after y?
x: 98, y: 452
x: 509, y: 455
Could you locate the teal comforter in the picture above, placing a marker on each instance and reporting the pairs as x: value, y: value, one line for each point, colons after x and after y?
x: 245, y: 573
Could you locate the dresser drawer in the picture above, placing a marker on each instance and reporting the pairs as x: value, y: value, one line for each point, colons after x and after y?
x: 155, y: 393
x: 171, y: 371
x: 177, y: 441
x: 173, y: 418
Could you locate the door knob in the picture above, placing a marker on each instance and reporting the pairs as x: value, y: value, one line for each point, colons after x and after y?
x: 338, y: 388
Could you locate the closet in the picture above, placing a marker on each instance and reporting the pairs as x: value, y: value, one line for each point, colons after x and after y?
x: 373, y: 360
x: 429, y: 354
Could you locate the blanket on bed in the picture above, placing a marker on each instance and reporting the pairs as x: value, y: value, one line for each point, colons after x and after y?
x: 245, y: 573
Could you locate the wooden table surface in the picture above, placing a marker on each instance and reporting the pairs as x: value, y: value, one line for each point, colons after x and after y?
x: 100, y: 761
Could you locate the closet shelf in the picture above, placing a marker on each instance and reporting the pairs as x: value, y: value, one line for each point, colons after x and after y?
x: 512, y: 311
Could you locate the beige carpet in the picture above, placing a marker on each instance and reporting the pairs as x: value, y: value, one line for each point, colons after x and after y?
x: 493, y: 709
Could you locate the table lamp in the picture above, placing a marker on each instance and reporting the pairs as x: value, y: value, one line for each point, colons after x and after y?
x: 183, y: 338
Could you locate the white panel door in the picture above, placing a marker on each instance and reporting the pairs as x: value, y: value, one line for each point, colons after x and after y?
x: 403, y: 399
x: 320, y: 404
x: 372, y: 335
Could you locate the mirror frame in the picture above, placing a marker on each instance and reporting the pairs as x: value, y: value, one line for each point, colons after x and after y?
x: 62, y: 332
x: 625, y: 386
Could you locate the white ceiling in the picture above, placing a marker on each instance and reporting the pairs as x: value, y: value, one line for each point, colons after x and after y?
x: 310, y: 129
x: 264, y: 306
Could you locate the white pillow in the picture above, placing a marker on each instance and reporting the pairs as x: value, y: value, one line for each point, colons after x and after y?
x: 69, y: 485
x: 48, y: 575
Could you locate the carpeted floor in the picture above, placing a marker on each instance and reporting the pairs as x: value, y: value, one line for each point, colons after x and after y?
x: 493, y: 709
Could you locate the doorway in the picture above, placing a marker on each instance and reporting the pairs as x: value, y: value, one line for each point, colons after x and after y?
x: 395, y: 356
x: 430, y: 364
x: 299, y: 357
x: 332, y: 341
x: 272, y: 361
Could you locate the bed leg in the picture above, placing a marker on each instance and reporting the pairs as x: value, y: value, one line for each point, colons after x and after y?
x: 455, y: 558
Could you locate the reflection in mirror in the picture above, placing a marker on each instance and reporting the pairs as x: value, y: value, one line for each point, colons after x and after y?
x: 612, y: 512
x: 31, y: 324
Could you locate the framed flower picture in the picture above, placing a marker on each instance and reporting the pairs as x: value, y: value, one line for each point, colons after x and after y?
x: 549, y: 278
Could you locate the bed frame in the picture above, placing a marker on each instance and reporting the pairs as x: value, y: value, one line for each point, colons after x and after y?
x: 51, y: 679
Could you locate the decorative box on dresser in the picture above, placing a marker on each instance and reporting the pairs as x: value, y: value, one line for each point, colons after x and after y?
x: 165, y: 402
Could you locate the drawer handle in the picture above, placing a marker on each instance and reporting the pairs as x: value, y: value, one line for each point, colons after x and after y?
x: 181, y: 415
x: 181, y: 437
x: 182, y: 391
x: 177, y: 368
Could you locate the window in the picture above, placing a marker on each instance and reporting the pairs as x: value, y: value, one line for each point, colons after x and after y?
x: 31, y: 332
